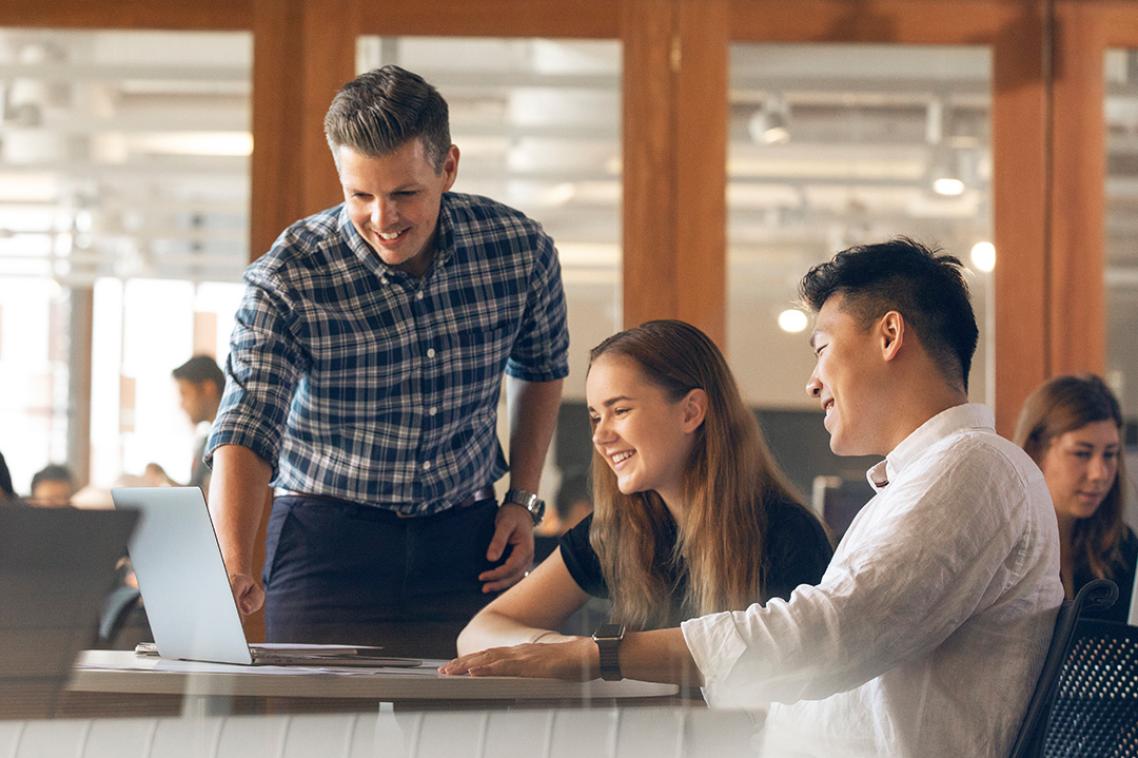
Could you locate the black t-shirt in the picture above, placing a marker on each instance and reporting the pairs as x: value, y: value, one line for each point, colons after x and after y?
x: 796, y: 551
x: 1124, y: 571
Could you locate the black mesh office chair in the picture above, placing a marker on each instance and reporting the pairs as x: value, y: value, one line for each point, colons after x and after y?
x: 1086, y: 700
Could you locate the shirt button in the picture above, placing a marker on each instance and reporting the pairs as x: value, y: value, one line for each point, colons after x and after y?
x: 430, y: 352
x: 426, y: 465
x: 432, y: 411
x: 383, y: 280
x: 419, y: 295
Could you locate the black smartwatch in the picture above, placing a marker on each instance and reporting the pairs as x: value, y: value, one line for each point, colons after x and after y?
x: 528, y: 500
x: 608, y: 637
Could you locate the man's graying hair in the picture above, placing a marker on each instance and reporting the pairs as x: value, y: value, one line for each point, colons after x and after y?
x: 378, y: 112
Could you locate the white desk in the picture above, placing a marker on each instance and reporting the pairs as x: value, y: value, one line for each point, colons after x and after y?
x: 124, y: 672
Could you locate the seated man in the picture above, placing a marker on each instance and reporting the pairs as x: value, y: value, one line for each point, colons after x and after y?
x: 52, y: 487
x: 928, y: 630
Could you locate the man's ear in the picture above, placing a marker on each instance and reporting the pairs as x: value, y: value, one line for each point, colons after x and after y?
x: 450, y: 167
x: 891, y: 333
x: 695, y: 409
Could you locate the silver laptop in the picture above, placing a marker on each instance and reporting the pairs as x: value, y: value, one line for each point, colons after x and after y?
x: 185, y: 588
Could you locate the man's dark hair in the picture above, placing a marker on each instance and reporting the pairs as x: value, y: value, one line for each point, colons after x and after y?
x: 53, y: 472
x: 925, y: 287
x: 199, y: 369
x: 378, y: 112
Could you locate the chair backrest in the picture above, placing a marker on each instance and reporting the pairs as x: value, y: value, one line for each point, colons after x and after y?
x: 1100, y: 593
x: 1095, y: 706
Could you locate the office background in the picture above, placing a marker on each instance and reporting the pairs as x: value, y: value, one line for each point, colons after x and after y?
x: 691, y: 157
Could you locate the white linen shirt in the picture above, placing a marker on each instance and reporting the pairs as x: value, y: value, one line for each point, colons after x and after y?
x: 929, y: 628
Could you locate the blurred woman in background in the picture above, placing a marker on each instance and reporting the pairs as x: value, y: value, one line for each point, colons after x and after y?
x: 1072, y: 427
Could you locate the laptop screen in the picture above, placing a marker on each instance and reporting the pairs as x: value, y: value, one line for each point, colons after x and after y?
x: 182, y: 576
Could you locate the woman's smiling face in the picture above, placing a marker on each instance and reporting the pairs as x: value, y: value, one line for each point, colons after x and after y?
x: 645, y: 436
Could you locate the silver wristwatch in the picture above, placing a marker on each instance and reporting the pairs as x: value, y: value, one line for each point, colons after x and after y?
x: 528, y: 500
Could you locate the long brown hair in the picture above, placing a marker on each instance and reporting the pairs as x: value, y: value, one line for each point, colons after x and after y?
x: 1062, y: 405
x: 727, y: 482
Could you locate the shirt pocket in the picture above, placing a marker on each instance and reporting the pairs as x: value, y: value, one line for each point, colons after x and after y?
x: 475, y: 361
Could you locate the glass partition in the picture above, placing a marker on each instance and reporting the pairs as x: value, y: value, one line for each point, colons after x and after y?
x: 1121, y: 265
x: 832, y: 146
x: 124, y: 186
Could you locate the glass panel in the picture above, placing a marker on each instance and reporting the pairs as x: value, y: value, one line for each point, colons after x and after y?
x: 835, y: 145
x: 124, y: 170
x: 538, y: 124
x: 1121, y: 269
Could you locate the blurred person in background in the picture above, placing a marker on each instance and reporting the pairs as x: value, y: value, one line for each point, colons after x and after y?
x: 52, y: 487
x: 1071, y: 426
x: 7, y: 491
x: 201, y: 383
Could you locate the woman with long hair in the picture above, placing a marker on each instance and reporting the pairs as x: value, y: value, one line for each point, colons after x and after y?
x: 691, y: 513
x: 1071, y: 427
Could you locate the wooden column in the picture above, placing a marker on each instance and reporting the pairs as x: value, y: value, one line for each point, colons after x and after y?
x: 1020, y: 198
x: 1076, y: 314
x: 302, y: 53
x: 675, y: 153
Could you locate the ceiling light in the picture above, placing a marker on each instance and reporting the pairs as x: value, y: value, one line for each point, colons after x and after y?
x: 945, y: 174
x: 949, y: 186
x: 792, y: 321
x: 769, y: 124
x: 984, y: 256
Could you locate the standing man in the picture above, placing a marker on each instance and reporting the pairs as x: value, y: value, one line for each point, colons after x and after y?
x: 200, y: 386
x: 364, y: 377
x: 928, y: 630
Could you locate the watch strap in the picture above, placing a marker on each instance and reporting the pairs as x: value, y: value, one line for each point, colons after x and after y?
x: 608, y: 645
x: 528, y: 500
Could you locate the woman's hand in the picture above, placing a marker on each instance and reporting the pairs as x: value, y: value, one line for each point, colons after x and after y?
x: 578, y: 660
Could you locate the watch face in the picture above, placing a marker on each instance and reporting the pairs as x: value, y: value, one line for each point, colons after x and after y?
x: 609, y: 631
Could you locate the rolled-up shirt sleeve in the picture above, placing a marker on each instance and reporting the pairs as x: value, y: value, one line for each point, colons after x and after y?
x: 261, y: 373
x: 541, y: 349
x: 916, y: 572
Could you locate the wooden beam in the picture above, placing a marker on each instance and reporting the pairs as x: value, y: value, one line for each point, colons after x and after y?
x: 586, y: 19
x: 649, y: 262
x: 299, y: 61
x: 1019, y: 116
x: 675, y: 154
x: 278, y: 77
x: 1076, y: 311
x: 200, y: 15
x: 700, y: 111
x: 1118, y: 22
x: 330, y: 62
x: 914, y: 22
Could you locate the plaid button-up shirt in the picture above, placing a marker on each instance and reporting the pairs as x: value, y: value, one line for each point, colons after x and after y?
x: 361, y: 382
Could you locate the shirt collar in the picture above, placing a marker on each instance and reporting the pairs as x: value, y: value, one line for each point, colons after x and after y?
x: 444, y: 241
x: 954, y: 419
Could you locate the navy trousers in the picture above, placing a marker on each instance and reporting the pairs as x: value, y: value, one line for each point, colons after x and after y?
x: 338, y: 572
